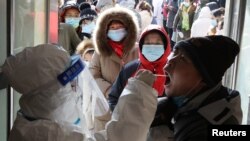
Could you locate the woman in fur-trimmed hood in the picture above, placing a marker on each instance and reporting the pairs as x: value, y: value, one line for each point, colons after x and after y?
x: 111, y: 52
x: 115, y: 40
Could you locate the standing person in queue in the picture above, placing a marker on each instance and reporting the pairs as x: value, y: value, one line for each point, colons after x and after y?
x: 69, y: 20
x: 184, y: 19
x: 70, y: 13
x: 87, y: 21
x: 154, y: 48
x: 115, y: 40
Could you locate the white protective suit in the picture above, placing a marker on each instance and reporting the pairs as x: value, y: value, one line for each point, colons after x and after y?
x: 52, y: 112
x: 201, y: 26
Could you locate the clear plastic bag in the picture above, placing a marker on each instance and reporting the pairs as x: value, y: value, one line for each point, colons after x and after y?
x: 94, y: 103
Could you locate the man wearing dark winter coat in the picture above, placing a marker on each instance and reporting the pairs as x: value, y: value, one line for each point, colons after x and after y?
x: 196, y: 97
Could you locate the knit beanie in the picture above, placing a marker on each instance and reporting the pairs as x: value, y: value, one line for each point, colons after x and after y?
x: 211, y: 55
x: 88, y: 13
x: 80, y: 1
x: 84, y: 5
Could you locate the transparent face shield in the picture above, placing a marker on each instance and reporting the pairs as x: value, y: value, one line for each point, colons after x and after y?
x: 73, y: 75
x: 93, y: 103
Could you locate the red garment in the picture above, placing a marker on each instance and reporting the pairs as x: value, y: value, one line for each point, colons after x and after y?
x: 157, y: 67
x: 117, y: 47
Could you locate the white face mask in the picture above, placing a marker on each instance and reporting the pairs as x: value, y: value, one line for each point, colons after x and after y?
x: 117, y: 35
x: 152, y: 52
x: 88, y: 28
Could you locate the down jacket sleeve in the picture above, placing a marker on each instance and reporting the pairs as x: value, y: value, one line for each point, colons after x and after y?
x: 95, y: 68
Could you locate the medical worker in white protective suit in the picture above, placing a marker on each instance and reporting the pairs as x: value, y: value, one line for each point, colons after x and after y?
x: 50, y: 106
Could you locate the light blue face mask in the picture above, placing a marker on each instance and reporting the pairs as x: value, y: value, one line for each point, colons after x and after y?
x: 152, y: 52
x: 72, y: 21
x: 213, y: 22
x: 117, y: 35
x: 88, y: 28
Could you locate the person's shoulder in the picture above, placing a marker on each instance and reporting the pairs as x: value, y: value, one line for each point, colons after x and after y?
x: 64, y: 25
x: 67, y: 27
x: 132, y: 65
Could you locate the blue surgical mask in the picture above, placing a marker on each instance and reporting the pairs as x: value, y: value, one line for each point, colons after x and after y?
x: 152, y: 52
x: 88, y: 28
x: 213, y: 22
x: 117, y: 35
x: 72, y: 21
x: 186, y: 4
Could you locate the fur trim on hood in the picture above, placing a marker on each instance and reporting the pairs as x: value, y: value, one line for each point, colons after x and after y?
x: 125, y: 16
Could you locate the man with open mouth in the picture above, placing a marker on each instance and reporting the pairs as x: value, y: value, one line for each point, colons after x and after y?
x: 195, y: 96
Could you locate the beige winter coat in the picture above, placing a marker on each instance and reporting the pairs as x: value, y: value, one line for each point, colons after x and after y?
x: 106, y: 65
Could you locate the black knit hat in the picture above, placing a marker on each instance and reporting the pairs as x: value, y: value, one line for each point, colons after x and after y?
x: 211, y: 55
x: 84, y: 5
x: 80, y: 1
x: 88, y: 13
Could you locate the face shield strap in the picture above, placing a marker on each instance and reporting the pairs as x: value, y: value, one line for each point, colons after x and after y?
x: 76, y: 67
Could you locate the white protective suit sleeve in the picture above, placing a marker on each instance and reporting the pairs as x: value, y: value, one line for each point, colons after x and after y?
x: 133, y: 115
x: 44, y: 130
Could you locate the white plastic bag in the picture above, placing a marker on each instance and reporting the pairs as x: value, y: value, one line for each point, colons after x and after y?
x: 94, y: 103
x: 173, y: 38
x: 181, y: 35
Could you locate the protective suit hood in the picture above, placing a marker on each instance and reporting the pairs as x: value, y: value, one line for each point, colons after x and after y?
x: 35, y: 67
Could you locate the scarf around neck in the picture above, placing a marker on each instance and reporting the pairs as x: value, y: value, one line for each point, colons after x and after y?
x: 117, y: 47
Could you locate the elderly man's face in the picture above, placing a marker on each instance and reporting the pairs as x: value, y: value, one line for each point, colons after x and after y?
x: 184, y: 79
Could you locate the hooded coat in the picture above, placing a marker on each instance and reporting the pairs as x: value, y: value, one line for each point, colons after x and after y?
x: 201, y: 26
x: 105, y: 64
x: 131, y: 68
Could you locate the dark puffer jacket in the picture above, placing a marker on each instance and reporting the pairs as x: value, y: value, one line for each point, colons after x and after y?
x: 216, y: 106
